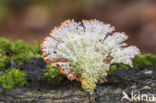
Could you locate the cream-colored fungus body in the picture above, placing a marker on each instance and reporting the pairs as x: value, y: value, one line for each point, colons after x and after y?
x: 84, y: 51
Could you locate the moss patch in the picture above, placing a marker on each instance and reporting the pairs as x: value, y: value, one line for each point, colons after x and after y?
x: 118, y: 66
x: 13, y: 78
x: 52, y: 76
x: 144, y: 60
x: 139, y: 62
x: 18, y: 52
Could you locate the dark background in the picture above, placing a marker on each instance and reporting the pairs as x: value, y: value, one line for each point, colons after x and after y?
x: 31, y: 20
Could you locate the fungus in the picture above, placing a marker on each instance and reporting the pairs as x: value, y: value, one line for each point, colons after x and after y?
x: 84, y: 51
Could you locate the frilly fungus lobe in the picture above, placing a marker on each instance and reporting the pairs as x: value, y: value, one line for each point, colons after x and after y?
x: 84, y: 51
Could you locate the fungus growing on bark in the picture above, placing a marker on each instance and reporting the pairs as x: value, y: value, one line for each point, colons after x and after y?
x: 84, y: 51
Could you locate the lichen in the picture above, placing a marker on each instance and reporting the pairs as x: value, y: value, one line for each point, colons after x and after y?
x: 84, y: 51
x: 12, y: 78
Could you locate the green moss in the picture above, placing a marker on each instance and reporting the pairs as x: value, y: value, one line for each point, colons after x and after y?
x: 139, y: 62
x: 52, y: 76
x: 118, y: 66
x: 21, y: 52
x: 24, y: 52
x: 5, y: 44
x: 36, y: 47
x: 13, y: 78
x: 144, y: 60
x: 4, y: 61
